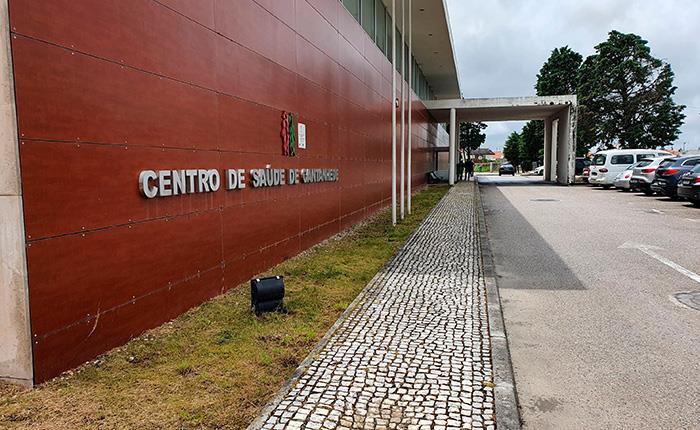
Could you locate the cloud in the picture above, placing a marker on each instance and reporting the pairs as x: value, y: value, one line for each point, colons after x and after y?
x: 501, y: 44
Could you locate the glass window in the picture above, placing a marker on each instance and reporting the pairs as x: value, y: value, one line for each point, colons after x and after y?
x: 381, y: 26
x: 667, y: 162
x: 399, y: 57
x: 389, y: 36
x: 622, y: 159
x: 691, y: 162
x: 599, y: 160
x: 642, y: 156
x: 414, y: 73
x: 643, y: 163
x: 353, y: 6
x: 407, y: 57
x: 368, y: 17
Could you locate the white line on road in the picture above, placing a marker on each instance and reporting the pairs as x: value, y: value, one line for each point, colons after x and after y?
x: 649, y: 250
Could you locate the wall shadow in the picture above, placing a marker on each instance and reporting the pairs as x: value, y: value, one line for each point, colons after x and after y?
x: 523, y: 259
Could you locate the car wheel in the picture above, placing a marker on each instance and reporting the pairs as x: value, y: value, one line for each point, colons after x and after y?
x: 696, y: 203
x: 648, y: 193
x: 606, y: 187
x: 499, y: 173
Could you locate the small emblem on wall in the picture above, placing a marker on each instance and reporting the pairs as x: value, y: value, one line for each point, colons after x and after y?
x: 302, y: 136
x: 288, y: 133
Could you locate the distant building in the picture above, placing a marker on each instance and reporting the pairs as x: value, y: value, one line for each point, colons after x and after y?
x: 497, y: 156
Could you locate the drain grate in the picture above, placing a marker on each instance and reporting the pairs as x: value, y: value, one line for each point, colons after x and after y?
x: 690, y: 299
x: 542, y: 199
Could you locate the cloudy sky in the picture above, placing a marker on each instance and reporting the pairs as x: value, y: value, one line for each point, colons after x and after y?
x: 501, y: 45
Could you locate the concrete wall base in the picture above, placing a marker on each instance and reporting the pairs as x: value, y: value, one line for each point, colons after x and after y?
x: 15, y: 338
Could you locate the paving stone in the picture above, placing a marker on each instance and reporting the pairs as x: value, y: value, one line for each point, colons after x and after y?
x: 415, y: 351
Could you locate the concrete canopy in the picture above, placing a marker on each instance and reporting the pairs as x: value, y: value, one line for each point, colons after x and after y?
x: 557, y: 112
x: 432, y: 47
x: 500, y: 108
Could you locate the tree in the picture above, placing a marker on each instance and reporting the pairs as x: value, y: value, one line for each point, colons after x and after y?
x: 556, y: 77
x: 532, y: 136
x: 512, y: 148
x: 626, y: 96
x: 471, y: 135
x: 558, y: 74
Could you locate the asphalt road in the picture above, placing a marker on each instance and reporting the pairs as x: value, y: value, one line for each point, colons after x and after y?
x: 587, y: 278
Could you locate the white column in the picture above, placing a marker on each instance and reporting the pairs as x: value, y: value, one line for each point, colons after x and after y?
x: 15, y: 332
x: 554, y: 150
x: 403, y: 105
x: 547, y: 175
x: 410, y: 104
x: 572, y: 121
x: 564, y: 156
x: 453, y: 144
x: 393, y: 112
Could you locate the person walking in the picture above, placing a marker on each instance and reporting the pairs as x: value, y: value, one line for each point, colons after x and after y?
x: 469, y: 167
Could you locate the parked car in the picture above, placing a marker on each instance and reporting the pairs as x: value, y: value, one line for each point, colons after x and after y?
x: 644, y: 174
x: 586, y: 173
x: 581, y: 163
x: 539, y: 171
x: 689, y: 185
x: 622, y: 180
x: 608, y: 164
x: 506, y: 169
x: 669, y: 173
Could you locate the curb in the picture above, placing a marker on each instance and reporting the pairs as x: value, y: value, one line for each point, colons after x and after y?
x: 264, y: 415
x: 505, y: 395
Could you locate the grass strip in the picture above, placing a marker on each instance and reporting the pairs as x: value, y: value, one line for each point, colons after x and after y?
x: 217, y: 365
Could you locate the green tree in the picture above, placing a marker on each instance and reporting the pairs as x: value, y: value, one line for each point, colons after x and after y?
x: 556, y: 77
x: 626, y: 96
x: 558, y: 74
x: 532, y: 136
x: 513, y: 148
x: 471, y: 135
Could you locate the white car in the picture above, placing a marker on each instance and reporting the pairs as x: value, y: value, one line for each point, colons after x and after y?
x: 539, y: 171
x: 608, y: 164
x: 622, y: 180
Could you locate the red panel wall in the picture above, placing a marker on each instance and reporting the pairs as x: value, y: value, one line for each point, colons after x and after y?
x: 107, y: 89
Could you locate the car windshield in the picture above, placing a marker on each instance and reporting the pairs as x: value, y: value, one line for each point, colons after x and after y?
x: 667, y: 162
x: 599, y: 160
x: 642, y: 163
x: 696, y: 169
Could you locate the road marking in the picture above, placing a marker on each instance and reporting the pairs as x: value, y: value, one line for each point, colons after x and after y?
x: 649, y: 250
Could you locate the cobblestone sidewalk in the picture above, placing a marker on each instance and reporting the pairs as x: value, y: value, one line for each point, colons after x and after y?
x: 413, y: 352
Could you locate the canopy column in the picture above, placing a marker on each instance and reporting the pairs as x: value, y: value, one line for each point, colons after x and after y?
x: 453, y: 144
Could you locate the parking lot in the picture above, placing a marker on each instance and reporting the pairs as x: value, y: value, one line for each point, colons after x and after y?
x: 587, y: 279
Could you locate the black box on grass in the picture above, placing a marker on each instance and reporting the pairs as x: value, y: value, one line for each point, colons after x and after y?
x: 267, y: 294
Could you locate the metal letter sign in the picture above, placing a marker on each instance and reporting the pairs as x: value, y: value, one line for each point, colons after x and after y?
x: 167, y: 183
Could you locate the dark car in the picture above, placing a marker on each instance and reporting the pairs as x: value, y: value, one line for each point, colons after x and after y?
x: 669, y: 173
x: 581, y: 163
x: 506, y: 169
x: 689, y: 186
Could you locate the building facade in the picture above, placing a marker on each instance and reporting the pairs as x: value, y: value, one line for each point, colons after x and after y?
x: 134, y: 135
